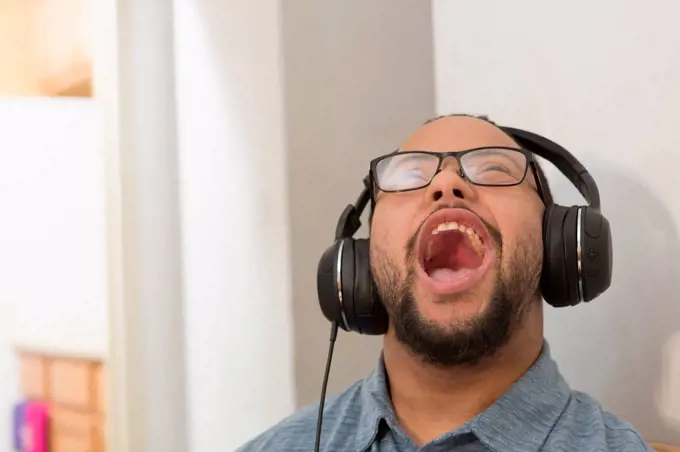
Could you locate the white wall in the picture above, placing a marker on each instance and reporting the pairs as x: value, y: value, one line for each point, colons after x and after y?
x: 134, y: 74
x: 235, y: 225
x: 600, y: 78
x: 52, y: 289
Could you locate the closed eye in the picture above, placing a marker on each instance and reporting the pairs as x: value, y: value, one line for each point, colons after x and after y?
x: 496, y: 168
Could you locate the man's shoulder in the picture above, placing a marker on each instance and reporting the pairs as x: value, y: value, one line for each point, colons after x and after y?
x: 297, y: 431
x: 622, y: 435
x: 586, y: 425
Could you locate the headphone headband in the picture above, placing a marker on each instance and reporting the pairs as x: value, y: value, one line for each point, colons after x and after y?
x: 562, y: 159
x: 350, y: 219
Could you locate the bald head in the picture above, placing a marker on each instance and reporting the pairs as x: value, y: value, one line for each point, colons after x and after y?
x: 457, y: 133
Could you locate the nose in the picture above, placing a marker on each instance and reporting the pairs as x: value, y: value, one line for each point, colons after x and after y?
x: 450, y: 184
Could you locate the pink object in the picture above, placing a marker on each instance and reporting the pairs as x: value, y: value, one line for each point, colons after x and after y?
x: 35, y: 431
x: 19, y: 409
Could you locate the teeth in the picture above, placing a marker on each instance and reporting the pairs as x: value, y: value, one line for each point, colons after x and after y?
x: 450, y: 226
x: 453, y: 226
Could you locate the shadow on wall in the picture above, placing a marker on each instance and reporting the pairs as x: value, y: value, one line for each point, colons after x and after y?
x: 613, y: 348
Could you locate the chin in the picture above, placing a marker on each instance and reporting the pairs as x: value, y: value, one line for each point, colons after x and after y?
x: 459, y: 302
x: 452, y: 311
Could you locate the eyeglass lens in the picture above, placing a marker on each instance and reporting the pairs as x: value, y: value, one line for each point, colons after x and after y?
x: 487, y: 166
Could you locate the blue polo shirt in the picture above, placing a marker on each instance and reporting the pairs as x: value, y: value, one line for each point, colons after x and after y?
x: 539, y: 412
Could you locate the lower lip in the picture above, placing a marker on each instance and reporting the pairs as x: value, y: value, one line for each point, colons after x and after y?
x: 465, y: 279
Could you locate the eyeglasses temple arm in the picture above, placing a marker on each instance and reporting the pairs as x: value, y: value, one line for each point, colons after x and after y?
x: 541, y: 183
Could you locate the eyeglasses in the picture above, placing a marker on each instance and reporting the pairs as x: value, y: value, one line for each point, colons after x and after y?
x: 496, y: 166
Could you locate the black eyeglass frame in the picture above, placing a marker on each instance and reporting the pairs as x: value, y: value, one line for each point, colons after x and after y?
x: 458, y: 155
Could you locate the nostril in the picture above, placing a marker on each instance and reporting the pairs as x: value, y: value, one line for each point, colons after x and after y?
x: 457, y: 193
x: 438, y: 195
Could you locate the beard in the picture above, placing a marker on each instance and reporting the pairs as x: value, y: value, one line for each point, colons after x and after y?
x: 466, y: 341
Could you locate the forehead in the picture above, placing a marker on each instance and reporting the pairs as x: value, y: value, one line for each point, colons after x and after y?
x: 456, y: 133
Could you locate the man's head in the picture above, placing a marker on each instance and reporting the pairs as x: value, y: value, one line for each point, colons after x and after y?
x: 457, y: 261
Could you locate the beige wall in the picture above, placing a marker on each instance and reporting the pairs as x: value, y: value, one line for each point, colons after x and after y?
x: 359, y: 78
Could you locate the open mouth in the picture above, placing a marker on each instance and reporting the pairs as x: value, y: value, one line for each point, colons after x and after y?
x: 454, y: 250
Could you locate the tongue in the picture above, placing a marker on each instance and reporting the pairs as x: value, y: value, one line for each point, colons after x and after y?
x: 443, y: 274
x: 452, y: 252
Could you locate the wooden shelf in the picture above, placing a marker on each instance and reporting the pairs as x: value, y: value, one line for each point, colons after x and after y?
x: 74, y: 81
x: 46, y: 47
x: 73, y: 389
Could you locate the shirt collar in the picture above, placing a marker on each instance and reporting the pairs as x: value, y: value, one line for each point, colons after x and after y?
x: 520, y: 419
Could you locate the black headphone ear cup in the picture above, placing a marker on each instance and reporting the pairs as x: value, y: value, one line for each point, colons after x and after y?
x: 558, y: 276
x: 347, y: 281
x: 369, y: 312
x: 596, y: 253
x: 577, y: 257
x: 346, y: 289
x: 328, y: 284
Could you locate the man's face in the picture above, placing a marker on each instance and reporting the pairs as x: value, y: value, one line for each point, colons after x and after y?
x: 457, y: 294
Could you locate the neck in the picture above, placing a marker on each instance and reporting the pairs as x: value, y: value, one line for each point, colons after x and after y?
x: 430, y: 401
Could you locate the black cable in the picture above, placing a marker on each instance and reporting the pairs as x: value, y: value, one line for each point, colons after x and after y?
x: 334, y: 335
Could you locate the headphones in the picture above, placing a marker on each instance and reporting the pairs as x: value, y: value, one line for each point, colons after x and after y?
x: 577, y: 249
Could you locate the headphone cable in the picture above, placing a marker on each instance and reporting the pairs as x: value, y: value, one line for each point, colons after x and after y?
x: 319, y: 419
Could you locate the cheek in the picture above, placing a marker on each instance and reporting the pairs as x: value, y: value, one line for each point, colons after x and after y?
x: 390, y: 231
x: 521, y: 226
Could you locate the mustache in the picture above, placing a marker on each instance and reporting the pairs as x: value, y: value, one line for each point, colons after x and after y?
x: 496, y: 235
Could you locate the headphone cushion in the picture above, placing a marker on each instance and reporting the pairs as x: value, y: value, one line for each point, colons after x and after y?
x: 354, y: 305
x: 559, y: 239
x: 369, y: 312
x: 327, y: 285
x: 569, y: 242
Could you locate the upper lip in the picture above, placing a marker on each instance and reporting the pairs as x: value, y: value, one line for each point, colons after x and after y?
x: 447, y: 214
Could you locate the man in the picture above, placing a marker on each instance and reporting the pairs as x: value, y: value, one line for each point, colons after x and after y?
x: 456, y: 256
